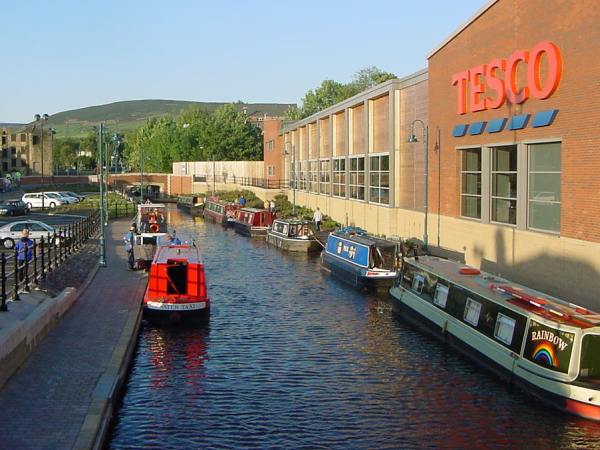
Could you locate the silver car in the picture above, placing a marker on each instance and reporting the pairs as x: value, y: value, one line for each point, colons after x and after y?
x: 13, y: 231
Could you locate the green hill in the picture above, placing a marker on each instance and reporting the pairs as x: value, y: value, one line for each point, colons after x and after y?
x: 127, y: 115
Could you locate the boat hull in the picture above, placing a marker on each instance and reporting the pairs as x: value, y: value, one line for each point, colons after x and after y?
x: 467, y: 348
x: 293, y: 245
x: 213, y: 217
x: 354, y: 275
x: 248, y: 231
x: 176, y: 317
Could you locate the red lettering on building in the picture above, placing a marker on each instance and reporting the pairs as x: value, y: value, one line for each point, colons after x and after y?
x: 475, y: 84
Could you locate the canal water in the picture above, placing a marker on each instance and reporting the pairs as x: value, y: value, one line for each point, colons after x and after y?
x: 294, y: 359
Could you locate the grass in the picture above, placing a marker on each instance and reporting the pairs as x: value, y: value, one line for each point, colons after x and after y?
x: 117, y: 206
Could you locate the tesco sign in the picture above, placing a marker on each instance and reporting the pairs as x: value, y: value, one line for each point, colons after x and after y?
x: 499, y: 77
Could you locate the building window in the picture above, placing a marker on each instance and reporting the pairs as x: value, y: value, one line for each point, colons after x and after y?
x: 544, y: 186
x: 35, y: 140
x: 294, y: 180
x: 357, y: 178
x: 441, y: 295
x: 5, y: 153
x: 13, y: 137
x: 470, y: 175
x: 313, y: 167
x: 3, y: 139
x: 504, y: 330
x: 379, y: 172
x: 504, y: 184
x: 324, y: 178
x: 472, y: 311
x: 23, y: 137
x: 270, y: 144
x: 339, y: 177
x: 13, y: 162
x: 303, y: 174
x: 271, y: 171
x: 13, y: 151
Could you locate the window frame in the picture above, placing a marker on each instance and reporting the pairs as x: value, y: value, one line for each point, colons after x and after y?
x: 324, y: 176
x: 440, y: 287
x: 517, y: 199
x: 470, y: 301
x: 528, y: 200
x: 481, y: 181
x: 499, y: 318
x: 338, y: 189
x: 357, y: 173
x: 379, y: 173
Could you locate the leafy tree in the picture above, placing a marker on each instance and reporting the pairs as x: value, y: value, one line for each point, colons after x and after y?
x: 331, y: 92
x: 65, y: 152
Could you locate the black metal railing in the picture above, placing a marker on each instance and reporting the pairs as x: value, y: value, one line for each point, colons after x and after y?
x: 20, y: 271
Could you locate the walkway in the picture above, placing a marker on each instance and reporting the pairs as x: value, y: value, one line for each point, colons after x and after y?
x: 62, y: 394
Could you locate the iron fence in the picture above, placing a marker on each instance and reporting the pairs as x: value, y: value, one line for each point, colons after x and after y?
x: 20, y: 271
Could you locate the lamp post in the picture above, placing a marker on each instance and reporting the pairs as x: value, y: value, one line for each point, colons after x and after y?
x: 141, y: 175
x: 42, y: 119
x: 102, y: 262
x: 412, y: 138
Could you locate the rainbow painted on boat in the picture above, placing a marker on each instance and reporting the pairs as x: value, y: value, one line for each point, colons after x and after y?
x: 545, y: 353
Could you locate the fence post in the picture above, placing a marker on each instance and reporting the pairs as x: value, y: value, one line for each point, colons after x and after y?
x: 43, y: 274
x: 55, y: 250
x: 35, y: 264
x: 17, y: 298
x: 26, y: 286
x: 3, y: 306
x: 49, y: 242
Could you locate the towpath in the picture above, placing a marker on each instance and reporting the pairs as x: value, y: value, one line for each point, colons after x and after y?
x: 63, y: 395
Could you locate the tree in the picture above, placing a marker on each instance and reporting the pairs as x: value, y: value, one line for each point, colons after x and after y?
x: 65, y: 152
x: 331, y: 92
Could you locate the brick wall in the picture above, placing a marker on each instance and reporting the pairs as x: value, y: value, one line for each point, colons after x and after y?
x: 273, y: 157
x: 506, y: 26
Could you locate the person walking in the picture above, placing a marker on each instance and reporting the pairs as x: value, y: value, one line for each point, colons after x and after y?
x: 129, y: 240
x: 272, y: 206
x: 24, y: 249
x: 174, y: 239
x: 242, y: 201
x: 318, y: 218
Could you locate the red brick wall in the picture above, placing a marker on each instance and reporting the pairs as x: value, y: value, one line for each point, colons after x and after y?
x: 507, y: 26
x: 273, y: 157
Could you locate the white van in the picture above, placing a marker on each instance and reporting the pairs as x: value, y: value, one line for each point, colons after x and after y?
x: 35, y: 199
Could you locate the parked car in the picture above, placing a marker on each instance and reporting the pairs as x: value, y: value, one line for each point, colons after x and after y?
x: 64, y: 197
x: 73, y: 194
x: 34, y: 200
x: 13, y: 208
x: 12, y: 232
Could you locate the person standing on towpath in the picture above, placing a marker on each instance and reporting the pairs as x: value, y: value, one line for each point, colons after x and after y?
x: 318, y: 218
x: 129, y: 239
x: 24, y: 247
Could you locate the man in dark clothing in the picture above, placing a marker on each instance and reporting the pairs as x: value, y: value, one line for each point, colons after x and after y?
x: 24, y: 249
x: 129, y: 240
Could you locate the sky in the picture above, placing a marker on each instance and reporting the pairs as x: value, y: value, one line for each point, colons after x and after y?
x: 65, y: 54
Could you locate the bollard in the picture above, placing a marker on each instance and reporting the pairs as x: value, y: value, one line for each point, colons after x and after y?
x: 43, y: 274
x: 3, y: 306
x: 17, y: 298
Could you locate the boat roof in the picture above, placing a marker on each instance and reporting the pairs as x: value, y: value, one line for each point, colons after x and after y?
x: 188, y: 253
x: 253, y: 210
x: 508, y: 292
x: 151, y: 205
x: 292, y: 220
x: 365, y: 239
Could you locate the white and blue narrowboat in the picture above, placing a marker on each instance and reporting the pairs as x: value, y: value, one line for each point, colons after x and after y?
x: 544, y: 345
x: 364, y: 261
x: 293, y: 235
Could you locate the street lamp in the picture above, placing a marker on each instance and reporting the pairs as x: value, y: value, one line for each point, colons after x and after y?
x: 102, y: 261
x: 412, y: 138
x: 41, y: 119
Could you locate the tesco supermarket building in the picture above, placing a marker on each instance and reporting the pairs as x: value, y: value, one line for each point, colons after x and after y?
x: 514, y: 154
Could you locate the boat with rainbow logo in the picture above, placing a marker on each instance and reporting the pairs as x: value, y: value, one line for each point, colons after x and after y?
x: 546, y: 346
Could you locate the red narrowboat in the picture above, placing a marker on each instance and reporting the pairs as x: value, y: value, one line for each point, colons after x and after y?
x: 220, y: 212
x: 177, y: 288
x: 254, y: 222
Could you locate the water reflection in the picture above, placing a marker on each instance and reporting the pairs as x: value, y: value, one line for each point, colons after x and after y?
x: 295, y: 359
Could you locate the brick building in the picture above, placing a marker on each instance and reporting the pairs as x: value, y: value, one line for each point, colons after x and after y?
x: 22, y: 150
x: 273, y: 153
x: 514, y: 166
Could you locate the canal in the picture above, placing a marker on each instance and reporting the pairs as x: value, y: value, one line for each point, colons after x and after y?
x: 294, y: 359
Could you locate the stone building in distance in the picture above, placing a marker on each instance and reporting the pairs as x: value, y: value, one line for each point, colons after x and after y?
x: 24, y: 150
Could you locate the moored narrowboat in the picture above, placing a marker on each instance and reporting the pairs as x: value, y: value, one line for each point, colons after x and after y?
x: 219, y: 211
x: 364, y: 261
x: 177, y: 289
x: 253, y: 222
x: 293, y: 235
x: 150, y: 223
x: 193, y: 204
x: 544, y: 345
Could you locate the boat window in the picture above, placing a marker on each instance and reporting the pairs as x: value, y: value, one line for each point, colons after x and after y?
x: 418, y: 283
x: 505, y: 328
x: 472, y: 311
x: 441, y: 295
x: 590, y: 357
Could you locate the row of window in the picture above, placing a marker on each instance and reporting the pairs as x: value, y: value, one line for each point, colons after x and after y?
x: 540, y: 166
x: 489, y: 318
x: 314, y: 176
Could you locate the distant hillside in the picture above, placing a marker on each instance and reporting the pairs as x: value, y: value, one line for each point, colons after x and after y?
x: 127, y: 115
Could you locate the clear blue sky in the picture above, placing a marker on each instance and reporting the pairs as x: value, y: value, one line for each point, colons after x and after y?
x: 65, y: 54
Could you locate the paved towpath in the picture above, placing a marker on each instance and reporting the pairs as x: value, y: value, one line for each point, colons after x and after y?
x: 52, y: 402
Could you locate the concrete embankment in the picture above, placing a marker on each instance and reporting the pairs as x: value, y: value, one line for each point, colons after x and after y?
x: 64, y: 392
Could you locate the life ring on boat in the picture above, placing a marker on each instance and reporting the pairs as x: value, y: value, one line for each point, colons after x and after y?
x: 154, y: 228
